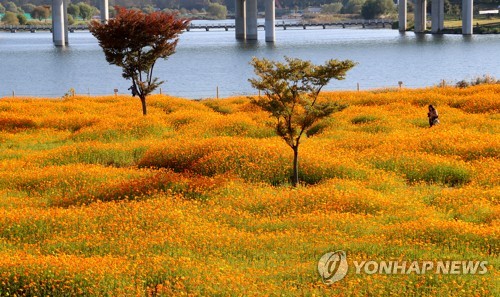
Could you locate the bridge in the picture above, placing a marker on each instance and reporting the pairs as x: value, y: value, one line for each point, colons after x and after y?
x: 246, y: 17
x: 246, y: 26
x: 437, y: 16
x: 378, y: 23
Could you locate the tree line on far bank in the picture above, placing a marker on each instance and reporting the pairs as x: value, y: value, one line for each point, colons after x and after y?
x: 14, y: 14
x: 17, y: 15
x: 203, y: 4
x: 82, y: 11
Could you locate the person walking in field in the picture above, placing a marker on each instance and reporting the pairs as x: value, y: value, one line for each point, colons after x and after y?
x: 133, y: 89
x: 433, y: 116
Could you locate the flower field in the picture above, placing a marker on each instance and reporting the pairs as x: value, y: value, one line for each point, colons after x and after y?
x: 194, y: 198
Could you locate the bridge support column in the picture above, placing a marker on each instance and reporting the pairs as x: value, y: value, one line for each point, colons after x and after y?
x: 104, y: 8
x: 437, y: 16
x: 402, y: 14
x: 270, y: 20
x: 65, y: 10
x: 467, y: 17
x: 251, y: 19
x: 59, y: 26
x: 240, y: 19
x: 420, y: 16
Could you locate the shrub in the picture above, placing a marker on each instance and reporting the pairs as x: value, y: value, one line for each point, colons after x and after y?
x: 10, y: 18
x: 479, y: 80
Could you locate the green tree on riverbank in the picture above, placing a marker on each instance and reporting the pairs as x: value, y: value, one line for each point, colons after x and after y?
x: 217, y: 10
x: 291, y: 91
x: 375, y: 8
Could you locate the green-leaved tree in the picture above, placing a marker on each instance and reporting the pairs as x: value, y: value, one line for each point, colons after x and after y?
x: 22, y: 19
x: 86, y: 11
x: 135, y: 41
x: 291, y: 90
x: 332, y: 8
x: 217, y: 11
x: 375, y: 8
x: 74, y: 10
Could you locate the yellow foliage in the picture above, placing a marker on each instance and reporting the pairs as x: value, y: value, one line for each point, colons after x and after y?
x: 193, y: 199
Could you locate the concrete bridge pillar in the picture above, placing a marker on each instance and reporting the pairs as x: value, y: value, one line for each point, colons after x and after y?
x: 437, y: 16
x: 467, y: 17
x: 240, y: 19
x: 251, y: 21
x: 270, y: 20
x: 402, y: 14
x: 59, y: 24
x: 60, y: 19
x: 420, y: 16
x: 66, y: 23
x: 104, y: 8
x: 245, y: 20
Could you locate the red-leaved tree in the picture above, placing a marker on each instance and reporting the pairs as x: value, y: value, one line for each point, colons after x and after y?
x: 135, y: 41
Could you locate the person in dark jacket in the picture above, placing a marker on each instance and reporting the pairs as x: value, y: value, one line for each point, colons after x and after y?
x: 133, y: 89
x: 433, y: 116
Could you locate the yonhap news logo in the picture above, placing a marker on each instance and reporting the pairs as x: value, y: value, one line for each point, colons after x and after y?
x: 333, y: 267
x: 421, y: 267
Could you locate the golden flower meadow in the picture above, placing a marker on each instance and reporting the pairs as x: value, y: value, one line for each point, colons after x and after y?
x: 194, y: 200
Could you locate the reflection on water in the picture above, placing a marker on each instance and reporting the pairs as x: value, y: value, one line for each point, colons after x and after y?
x: 246, y: 45
x: 31, y: 65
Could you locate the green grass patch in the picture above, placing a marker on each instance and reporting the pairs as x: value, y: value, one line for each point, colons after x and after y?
x: 363, y: 119
x: 95, y: 153
x: 418, y: 170
x: 216, y: 106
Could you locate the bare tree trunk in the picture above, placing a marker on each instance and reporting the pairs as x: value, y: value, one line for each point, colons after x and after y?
x: 295, y: 178
x: 144, y: 110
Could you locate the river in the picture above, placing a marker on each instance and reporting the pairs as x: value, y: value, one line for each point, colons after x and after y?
x: 31, y: 66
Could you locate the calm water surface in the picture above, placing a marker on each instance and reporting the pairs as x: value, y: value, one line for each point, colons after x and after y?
x: 31, y: 65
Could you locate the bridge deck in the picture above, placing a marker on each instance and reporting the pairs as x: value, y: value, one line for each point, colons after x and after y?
x: 207, y: 27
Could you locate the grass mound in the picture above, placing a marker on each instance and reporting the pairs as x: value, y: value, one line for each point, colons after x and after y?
x: 15, y: 124
x: 250, y: 159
